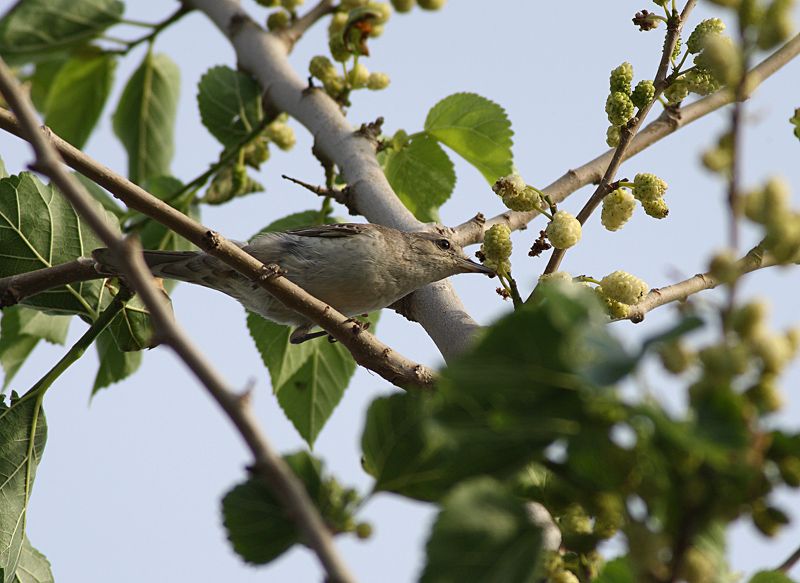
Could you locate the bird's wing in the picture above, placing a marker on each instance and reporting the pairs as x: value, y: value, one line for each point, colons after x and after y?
x: 333, y: 231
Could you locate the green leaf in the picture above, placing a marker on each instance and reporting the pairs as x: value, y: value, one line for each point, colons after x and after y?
x: 39, y: 26
x: 230, y: 104
x: 78, y: 94
x: 145, y: 117
x: 33, y: 566
x: 115, y: 365
x: 20, y: 452
x: 153, y: 234
x: 20, y: 332
x: 616, y: 571
x: 401, y: 453
x: 482, y: 534
x: 770, y: 577
x: 39, y: 228
x: 3, y: 169
x: 131, y: 328
x: 15, y: 348
x: 41, y: 81
x: 309, y: 379
x: 258, y: 526
x: 422, y: 175
x: 476, y: 129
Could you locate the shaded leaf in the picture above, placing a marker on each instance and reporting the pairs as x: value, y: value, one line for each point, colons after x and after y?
x: 482, y: 534
x: 20, y: 331
x: 101, y: 195
x: 422, y: 176
x: 77, y: 95
x: 616, y: 571
x: 41, y: 82
x: 770, y: 577
x: 20, y: 452
x: 259, y: 526
x: 145, y: 117
x: 39, y: 26
x: 477, y: 129
x: 153, y: 234
x: 309, y: 379
x: 115, y: 365
x: 39, y: 228
x: 230, y: 104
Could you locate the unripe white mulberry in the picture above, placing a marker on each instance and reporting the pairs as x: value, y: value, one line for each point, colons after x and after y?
x: 322, y: 68
x: 647, y: 186
x: 624, y: 287
x: 656, y: 207
x: 281, y: 134
x: 564, y: 230
x: 617, y: 209
x: 403, y: 5
x: 621, y: 78
x: 496, y: 248
x: 377, y: 81
x: 702, y: 32
x: 431, y: 4
x: 619, y: 108
x: 358, y: 76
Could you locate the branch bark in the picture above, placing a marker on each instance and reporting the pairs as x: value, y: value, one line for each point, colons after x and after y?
x: 268, y: 464
x: 471, y: 231
x: 755, y: 259
x: 436, y: 307
x: 366, y: 349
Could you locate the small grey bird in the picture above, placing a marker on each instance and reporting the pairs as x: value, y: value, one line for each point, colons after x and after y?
x: 355, y: 268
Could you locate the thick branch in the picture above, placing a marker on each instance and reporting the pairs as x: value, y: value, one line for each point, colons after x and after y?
x: 367, y: 350
x: 667, y: 123
x: 264, y: 55
x: 268, y: 463
x: 753, y: 261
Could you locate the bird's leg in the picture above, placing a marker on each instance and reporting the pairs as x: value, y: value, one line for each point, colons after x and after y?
x: 302, y: 334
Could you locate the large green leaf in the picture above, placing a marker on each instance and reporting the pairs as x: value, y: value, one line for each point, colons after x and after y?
x: 616, y: 571
x: 483, y: 534
x: 259, y: 526
x: 33, y: 566
x: 475, y: 128
x: 309, y: 379
x: 20, y: 331
x: 78, y: 94
x: 41, y: 81
x: 230, y: 104
x: 153, y: 234
x: 20, y: 451
x: 145, y: 117
x: 422, y: 175
x: 39, y: 228
x: 771, y: 577
x: 39, y: 26
x: 115, y: 365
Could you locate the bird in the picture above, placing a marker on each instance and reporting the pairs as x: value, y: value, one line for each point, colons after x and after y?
x: 355, y: 268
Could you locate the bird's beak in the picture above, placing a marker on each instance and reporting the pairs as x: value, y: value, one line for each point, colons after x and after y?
x: 469, y: 266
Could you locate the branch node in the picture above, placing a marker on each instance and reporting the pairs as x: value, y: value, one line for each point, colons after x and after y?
x: 270, y: 271
x: 211, y: 240
x: 371, y: 131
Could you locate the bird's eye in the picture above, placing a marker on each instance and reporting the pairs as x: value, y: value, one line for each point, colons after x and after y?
x: 443, y: 244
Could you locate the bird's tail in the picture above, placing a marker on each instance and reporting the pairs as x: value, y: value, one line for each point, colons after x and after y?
x: 190, y: 266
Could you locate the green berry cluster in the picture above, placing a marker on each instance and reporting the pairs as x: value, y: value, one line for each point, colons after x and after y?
x: 496, y: 248
x: 622, y: 102
x: 769, y: 207
x: 702, y: 33
x: 649, y: 190
x: 775, y: 27
x: 281, y: 134
x: 564, y: 230
x: 516, y: 194
x: 617, y: 209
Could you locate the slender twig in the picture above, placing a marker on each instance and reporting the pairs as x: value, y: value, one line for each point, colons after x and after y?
x: 755, y: 259
x: 674, y: 26
x: 299, y: 27
x: 367, y: 350
x: 790, y: 561
x: 156, y: 29
x: 671, y: 120
x: 268, y: 464
x: 16, y: 288
x: 339, y: 195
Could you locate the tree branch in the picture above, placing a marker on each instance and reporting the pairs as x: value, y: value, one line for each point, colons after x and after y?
x: 264, y: 55
x: 299, y: 27
x: 367, y: 350
x: 470, y: 232
x: 754, y: 260
x: 268, y: 463
x: 16, y: 288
